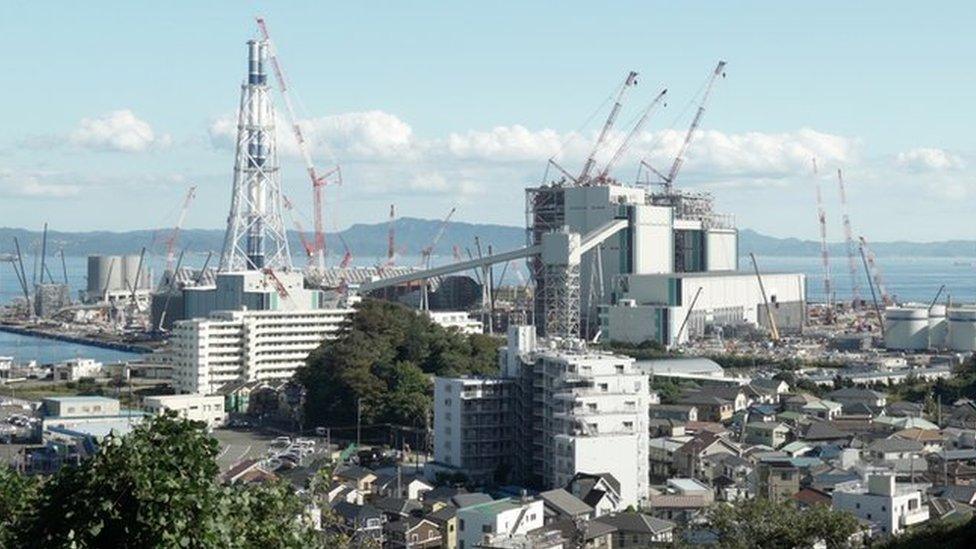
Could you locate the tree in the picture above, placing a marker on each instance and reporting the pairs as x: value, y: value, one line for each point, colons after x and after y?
x: 17, y: 495
x: 383, y: 356
x: 761, y: 523
x: 158, y: 487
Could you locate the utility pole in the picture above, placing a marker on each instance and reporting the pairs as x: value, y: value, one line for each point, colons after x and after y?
x: 359, y: 421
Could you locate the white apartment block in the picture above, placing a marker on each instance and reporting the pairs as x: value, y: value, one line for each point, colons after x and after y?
x: 77, y: 368
x: 204, y: 408
x: 556, y: 411
x: 889, y: 507
x: 497, y: 520
x: 474, y: 425
x: 247, y: 345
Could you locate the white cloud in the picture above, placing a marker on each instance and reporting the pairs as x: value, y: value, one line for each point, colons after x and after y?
x: 924, y: 159
x: 120, y: 131
x: 506, y: 143
x: 373, y: 135
x: 33, y: 185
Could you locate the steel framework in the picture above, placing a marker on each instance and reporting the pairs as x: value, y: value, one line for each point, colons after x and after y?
x: 256, y: 237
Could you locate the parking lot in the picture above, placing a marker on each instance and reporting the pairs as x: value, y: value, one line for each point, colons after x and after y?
x: 238, y: 445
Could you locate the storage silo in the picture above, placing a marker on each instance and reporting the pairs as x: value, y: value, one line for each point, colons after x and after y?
x: 907, y: 328
x: 130, y: 271
x: 938, y: 327
x: 104, y: 274
x: 962, y: 329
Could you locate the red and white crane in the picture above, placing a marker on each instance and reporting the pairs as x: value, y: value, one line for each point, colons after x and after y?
x: 679, y: 159
x: 849, y: 242
x: 429, y: 249
x: 318, y: 181
x: 390, y: 241
x: 824, y: 253
x: 175, y: 234
x: 875, y: 271
x: 309, y: 247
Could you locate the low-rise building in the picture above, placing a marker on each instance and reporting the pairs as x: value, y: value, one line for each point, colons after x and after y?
x: 509, y: 517
x: 457, y: 320
x: 77, y: 368
x: 772, y: 434
x: 889, y: 507
x: 710, y: 407
x: 857, y: 395
x: 680, y: 412
x: 208, y: 409
x: 633, y: 529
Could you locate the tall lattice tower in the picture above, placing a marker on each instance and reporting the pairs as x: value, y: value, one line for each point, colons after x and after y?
x: 256, y: 236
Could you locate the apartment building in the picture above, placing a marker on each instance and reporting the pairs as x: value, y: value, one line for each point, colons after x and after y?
x: 247, y: 345
x: 556, y: 410
x: 474, y: 425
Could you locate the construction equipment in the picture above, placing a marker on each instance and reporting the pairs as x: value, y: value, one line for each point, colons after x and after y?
x: 874, y: 297
x: 425, y: 257
x: 824, y: 254
x: 691, y: 308
x: 309, y: 247
x: 318, y: 181
x: 175, y: 234
x: 390, y: 241
x: 679, y: 159
x: 584, y: 175
x: 849, y: 242
x: 875, y: 272
x: 773, y: 330
x: 279, y: 286
x: 634, y: 132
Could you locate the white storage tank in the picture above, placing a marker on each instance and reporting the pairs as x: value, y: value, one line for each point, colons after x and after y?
x: 130, y: 269
x: 938, y: 327
x: 104, y: 274
x: 907, y: 328
x: 962, y: 329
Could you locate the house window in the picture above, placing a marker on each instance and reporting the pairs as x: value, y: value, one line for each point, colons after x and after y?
x: 461, y: 522
x: 912, y: 504
x: 486, y: 529
x: 414, y: 537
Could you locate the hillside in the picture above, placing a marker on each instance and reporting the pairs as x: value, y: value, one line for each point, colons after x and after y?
x: 412, y: 235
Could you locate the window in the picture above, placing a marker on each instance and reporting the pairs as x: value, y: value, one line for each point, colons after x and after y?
x: 912, y: 504
x: 461, y: 523
x: 486, y: 529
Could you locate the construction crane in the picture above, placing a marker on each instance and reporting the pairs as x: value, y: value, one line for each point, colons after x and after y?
x: 425, y: 257
x: 346, y: 253
x: 849, y: 242
x: 679, y: 159
x: 824, y: 254
x: 634, y: 132
x: 773, y: 330
x: 309, y: 247
x: 629, y: 82
x: 318, y: 181
x: 875, y: 272
x: 174, y: 235
x: 278, y: 286
x: 390, y: 240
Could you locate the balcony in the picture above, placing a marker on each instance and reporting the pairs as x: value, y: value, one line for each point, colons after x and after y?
x: 914, y: 516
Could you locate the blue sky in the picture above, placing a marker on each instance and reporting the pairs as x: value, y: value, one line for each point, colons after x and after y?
x: 113, y: 109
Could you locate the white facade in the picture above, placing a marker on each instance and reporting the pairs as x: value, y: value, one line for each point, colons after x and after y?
x: 907, y: 328
x: 962, y: 329
x: 652, y: 307
x: 505, y: 517
x: 247, y: 346
x: 77, y: 368
x: 889, y: 507
x: 458, y: 320
x: 473, y: 425
x: 208, y: 409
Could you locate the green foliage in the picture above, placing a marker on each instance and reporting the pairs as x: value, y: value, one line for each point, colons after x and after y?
x: 17, y: 495
x: 668, y: 389
x: 937, y: 533
x: 761, y: 523
x: 157, y: 487
x: 384, y: 355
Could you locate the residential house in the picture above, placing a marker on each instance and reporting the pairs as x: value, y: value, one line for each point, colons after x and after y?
x: 403, y: 486
x: 560, y: 504
x: 858, y: 395
x: 499, y: 518
x: 891, y: 449
x: 446, y: 520
x: 661, y: 455
x: 360, y: 522
x: 736, y: 394
x: 773, y: 435
x: 412, y: 533
x: 796, y: 402
x: 932, y: 441
x: 633, y: 529
x: 710, y: 407
x: 904, y: 408
x: 771, y: 385
x: 359, y: 477
x: 889, y: 507
x: 397, y: 508
x: 588, y: 534
x: 688, y: 458
x: 777, y: 480
x: 822, y: 409
x: 810, y: 497
x: 601, y: 492
x: 673, y: 411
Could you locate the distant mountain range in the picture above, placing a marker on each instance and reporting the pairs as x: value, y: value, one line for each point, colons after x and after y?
x: 412, y: 235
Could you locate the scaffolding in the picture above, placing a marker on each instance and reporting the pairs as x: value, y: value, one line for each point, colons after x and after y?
x: 545, y: 211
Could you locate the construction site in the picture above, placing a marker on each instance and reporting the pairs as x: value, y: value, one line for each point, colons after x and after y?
x: 633, y: 262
